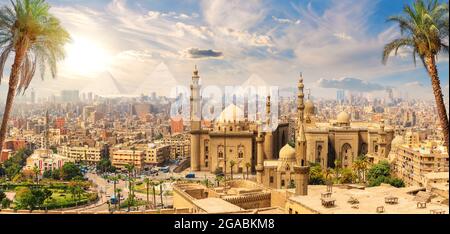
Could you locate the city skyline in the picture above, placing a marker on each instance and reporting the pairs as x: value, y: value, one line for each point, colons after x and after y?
x: 156, y: 41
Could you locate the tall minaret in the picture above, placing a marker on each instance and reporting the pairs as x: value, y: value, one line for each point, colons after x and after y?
x: 301, y: 169
x: 300, y: 146
x: 46, y: 135
x: 268, y: 141
x: 259, y: 154
x: 195, y: 121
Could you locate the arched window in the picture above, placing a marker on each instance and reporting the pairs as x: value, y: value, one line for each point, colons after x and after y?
x: 240, y: 151
x: 220, y: 151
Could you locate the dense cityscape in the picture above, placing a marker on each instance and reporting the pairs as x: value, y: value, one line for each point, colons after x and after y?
x: 224, y: 146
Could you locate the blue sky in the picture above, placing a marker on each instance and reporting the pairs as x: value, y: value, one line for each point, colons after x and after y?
x: 230, y: 41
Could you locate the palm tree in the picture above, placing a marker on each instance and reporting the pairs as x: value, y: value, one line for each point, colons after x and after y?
x: 115, y: 179
x: 36, y: 172
x: 357, y: 167
x: 134, y: 167
x: 424, y: 28
x: 147, y: 186
x: 153, y: 183
x: 232, y: 164
x: 364, y: 166
x: 161, y: 192
x: 248, y: 165
x: 35, y: 37
x: 118, y: 191
x: 130, y: 169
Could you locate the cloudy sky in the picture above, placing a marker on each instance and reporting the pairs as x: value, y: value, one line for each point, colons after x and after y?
x: 152, y: 45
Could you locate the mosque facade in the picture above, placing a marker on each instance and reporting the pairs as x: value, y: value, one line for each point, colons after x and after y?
x: 234, y: 143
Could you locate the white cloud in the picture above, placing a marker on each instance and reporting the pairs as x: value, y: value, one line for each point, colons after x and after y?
x: 343, y: 36
x: 285, y: 21
x: 235, y: 14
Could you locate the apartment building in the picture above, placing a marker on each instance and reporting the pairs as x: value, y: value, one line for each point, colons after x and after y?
x: 121, y: 158
x: 85, y: 154
x: 412, y: 161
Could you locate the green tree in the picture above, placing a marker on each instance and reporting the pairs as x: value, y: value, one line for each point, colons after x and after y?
x: 56, y: 174
x: 382, y: 169
x: 69, y: 171
x: 424, y: 27
x: 2, y: 195
x: 105, y: 165
x: 6, y: 203
x: 36, y: 172
x: 130, y: 169
x: 396, y: 182
x: 25, y: 199
x: 47, y: 174
x: 347, y: 176
x: 232, y: 164
x: 13, y: 170
x: 35, y: 37
x: 76, y: 190
x: 316, y: 176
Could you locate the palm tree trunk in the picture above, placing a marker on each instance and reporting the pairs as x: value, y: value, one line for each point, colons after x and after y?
x: 161, y: 195
x: 154, y: 196
x: 437, y: 91
x: 148, y: 200
x: 13, y: 80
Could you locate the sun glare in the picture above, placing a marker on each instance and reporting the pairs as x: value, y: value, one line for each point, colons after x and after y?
x: 85, y: 57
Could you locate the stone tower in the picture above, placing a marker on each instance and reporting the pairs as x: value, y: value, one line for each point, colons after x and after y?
x: 302, y: 168
x: 268, y: 141
x: 259, y: 155
x: 195, y: 117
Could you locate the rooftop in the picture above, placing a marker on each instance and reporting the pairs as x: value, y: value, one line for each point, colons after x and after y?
x: 216, y: 205
x: 369, y: 199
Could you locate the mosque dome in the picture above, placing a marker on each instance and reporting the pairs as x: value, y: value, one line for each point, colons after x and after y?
x: 343, y: 118
x: 287, y: 158
x: 310, y: 109
x: 287, y: 152
x: 232, y: 113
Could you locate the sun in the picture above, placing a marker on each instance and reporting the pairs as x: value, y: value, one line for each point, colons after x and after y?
x: 85, y: 57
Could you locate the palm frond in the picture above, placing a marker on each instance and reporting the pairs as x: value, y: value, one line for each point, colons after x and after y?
x: 3, y: 57
x: 394, y: 46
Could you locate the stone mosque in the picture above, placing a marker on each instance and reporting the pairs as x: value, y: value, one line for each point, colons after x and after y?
x: 277, y: 164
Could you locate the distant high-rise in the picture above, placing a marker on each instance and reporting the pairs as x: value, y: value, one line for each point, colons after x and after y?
x: 70, y: 95
x: 340, y: 96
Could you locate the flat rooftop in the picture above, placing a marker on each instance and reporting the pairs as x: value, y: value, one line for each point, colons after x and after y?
x: 216, y: 205
x: 369, y: 199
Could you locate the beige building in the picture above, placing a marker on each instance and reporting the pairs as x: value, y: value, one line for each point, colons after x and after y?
x: 412, y: 159
x: 121, y: 158
x: 180, y: 145
x: 231, y: 138
x: 154, y: 154
x: 344, y: 140
x: 45, y: 160
x: 86, y: 154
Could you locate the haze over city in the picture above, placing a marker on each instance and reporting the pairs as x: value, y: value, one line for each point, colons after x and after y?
x: 129, y: 47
